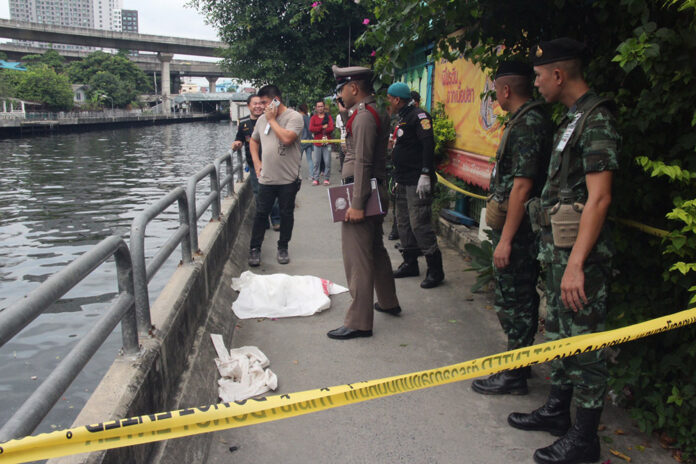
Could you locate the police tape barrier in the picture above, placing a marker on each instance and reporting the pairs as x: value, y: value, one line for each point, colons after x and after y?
x: 627, y: 222
x: 449, y: 184
x: 321, y: 141
x: 191, y: 421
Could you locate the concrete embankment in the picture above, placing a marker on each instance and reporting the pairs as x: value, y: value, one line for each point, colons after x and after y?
x: 174, y: 368
x: 25, y: 127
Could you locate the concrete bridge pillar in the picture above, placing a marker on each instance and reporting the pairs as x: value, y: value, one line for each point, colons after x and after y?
x: 211, y: 84
x: 165, y: 59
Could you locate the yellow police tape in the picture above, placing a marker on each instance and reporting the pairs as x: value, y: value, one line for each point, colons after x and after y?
x: 627, y: 222
x: 191, y: 421
x: 449, y: 184
x: 321, y: 141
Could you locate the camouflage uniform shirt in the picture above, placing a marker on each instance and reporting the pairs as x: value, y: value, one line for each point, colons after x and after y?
x: 596, y: 149
x: 526, y: 153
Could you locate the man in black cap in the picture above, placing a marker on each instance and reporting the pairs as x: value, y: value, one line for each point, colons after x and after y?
x: 576, y: 249
x: 367, y: 265
x: 520, y: 171
x: 414, y: 175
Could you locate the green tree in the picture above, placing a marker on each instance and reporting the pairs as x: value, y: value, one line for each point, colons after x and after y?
x: 106, y: 84
x: 50, y: 58
x: 42, y: 84
x: 281, y: 42
x: 642, y: 57
x: 125, y: 70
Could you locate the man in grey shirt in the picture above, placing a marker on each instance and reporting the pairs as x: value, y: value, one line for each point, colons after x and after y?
x: 277, y: 133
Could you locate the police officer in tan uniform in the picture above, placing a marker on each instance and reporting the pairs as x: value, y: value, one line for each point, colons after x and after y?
x: 367, y: 265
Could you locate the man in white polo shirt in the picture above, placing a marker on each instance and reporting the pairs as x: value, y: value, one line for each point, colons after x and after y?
x: 277, y: 133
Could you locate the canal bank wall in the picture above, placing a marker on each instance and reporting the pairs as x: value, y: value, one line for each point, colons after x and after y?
x: 27, y: 127
x: 175, y: 367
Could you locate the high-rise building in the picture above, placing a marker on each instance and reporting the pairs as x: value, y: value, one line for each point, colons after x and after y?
x: 129, y: 20
x: 94, y: 14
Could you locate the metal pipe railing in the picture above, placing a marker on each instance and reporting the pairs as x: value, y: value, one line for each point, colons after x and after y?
x: 20, y: 314
x: 142, y: 274
x: 38, y: 405
x: 131, y: 308
x: 228, y: 180
x: 213, y: 198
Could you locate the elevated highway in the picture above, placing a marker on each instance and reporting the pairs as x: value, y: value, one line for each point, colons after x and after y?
x: 165, y: 47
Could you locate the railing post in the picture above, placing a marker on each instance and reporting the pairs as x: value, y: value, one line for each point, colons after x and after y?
x: 215, y: 187
x: 192, y: 217
x: 240, y: 165
x: 129, y: 325
x: 137, y: 250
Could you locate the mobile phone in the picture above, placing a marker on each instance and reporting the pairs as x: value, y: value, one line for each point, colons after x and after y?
x: 275, y: 103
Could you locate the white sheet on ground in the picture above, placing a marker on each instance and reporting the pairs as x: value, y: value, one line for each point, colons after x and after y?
x: 281, y: 295
x: 242, y: 371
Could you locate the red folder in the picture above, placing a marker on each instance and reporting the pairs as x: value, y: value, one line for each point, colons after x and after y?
x: 341, y: 198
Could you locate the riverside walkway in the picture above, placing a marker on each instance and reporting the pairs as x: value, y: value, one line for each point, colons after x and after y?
x: 441, y: 326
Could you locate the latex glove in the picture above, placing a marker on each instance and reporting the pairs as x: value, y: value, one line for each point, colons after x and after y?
x: 423, y: 187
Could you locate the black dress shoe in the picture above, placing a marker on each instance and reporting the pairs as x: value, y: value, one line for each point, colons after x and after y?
x: 344, y: 333
x: 393, y: 311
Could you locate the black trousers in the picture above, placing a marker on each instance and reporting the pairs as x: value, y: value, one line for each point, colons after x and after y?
x: 264, y: 203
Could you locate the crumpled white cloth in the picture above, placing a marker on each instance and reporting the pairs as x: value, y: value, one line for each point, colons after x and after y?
x: 281, y: 295
x: 243, y: 372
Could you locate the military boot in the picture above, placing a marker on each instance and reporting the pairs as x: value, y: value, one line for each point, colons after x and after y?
x: 409, y: 268
x: 552, y: 417
x: 435, y: 274
x: 579, y: 445
x: 513, y: 382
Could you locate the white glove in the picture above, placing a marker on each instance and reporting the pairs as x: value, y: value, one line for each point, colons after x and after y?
x: 423, y: 187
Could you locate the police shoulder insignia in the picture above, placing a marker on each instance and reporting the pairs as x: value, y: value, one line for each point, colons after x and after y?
x: 361, y: 106
x: 425, y: 124
x: 422, y: 115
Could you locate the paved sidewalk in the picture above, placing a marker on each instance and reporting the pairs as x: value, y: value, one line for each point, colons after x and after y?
x: 441, y: 326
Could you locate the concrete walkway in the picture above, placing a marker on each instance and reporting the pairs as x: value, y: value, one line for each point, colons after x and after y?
x: 441, y: 326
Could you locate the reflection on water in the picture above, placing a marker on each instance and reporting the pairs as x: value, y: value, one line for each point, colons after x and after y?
x: 61, y: 194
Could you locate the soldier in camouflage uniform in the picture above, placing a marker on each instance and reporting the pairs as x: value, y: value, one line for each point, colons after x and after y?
x: 520, y: 172
x: 577, y: 275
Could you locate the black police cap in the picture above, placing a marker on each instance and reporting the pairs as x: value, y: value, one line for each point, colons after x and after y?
x: 514, y: 68
x: 558, y: 50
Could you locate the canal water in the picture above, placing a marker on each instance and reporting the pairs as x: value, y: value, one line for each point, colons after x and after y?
x: 60, y: 195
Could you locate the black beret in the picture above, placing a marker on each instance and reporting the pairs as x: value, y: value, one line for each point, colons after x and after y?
x: 514, y: 68
x: 558, y: 50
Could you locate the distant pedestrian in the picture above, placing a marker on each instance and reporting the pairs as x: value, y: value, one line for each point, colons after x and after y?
x: 321, y: 125
x: 307, y: 148
x: 367, y: 265
x: 244, y: 131
x: 277, y: 132
x: 414, y: 176
x: 341, y: 126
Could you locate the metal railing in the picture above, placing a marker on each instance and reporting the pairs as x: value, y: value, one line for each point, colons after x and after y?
x: 131, y: 307
x: 17, y: 316
x: 142, y: 274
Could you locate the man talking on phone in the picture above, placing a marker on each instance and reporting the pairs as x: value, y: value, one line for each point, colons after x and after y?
x: 277, y: 134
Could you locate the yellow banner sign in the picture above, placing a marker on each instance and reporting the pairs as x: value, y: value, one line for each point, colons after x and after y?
x: 459, y: 85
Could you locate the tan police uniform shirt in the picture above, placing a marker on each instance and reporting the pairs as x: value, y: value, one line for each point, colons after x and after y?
x: 366, y: 151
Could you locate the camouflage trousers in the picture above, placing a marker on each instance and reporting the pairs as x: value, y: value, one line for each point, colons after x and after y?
x: 587, y: 372
x: 516, y: 299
